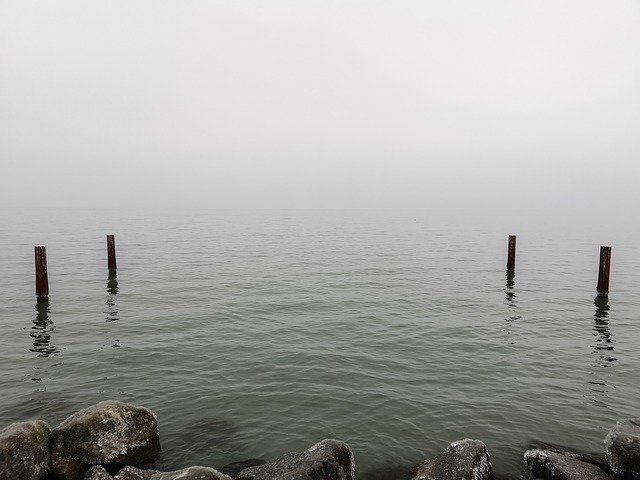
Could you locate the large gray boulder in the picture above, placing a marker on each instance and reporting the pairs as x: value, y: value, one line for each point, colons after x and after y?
x: 24, y: 451
x: 550, y: 465
x: 462, y: 460
x: 326, y: 460
x: 109, y: 433
x: 622, y: 447
x: 191, y: 473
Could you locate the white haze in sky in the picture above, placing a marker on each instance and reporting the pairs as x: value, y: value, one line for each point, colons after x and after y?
x: 320, y: 104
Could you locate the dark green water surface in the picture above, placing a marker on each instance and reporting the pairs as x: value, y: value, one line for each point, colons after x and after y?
x: 254, y: 333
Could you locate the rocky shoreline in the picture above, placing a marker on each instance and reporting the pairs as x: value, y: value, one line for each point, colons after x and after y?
x: 113, y: 440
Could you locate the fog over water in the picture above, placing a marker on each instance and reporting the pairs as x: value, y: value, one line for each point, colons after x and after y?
x: 311, y: 202
x: 320, y: 104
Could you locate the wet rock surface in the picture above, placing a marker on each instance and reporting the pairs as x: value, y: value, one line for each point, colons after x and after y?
x: 326, y: 460
x: 132, y: 473
x: 109, y: 433
x: 622, y: 447
x: 98, y: 473
x: 462, y: 460
x: 191, y: 473
x: 597, y: 459
x: 111, y: 437
x: 24, y: 451
x: 550, y: 465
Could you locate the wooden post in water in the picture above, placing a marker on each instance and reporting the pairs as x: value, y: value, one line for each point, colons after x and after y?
x: 603, y: 271
x: 111, y: 253
x: 42, y: 278
x: 511, y: 256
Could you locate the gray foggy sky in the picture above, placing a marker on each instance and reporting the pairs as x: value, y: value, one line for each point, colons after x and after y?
x: 312, y: 104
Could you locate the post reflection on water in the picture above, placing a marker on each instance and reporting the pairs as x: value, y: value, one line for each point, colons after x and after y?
x: 511, y: 297
x: 111, y: 305
x: 41, y: 331
x: 604, y: 341
x: 603, y: 351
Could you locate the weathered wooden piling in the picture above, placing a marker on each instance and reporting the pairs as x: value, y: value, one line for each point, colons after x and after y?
x: 604, y: 271
x: 111, y: 253
x: 511, y: 256
x: 42, y: 277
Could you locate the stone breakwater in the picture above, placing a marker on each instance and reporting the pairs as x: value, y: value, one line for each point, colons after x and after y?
x: 113, y: 440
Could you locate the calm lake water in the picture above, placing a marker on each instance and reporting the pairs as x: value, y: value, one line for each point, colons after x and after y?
x: 254, y: 333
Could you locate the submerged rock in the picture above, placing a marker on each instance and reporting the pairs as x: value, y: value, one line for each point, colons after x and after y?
x: 24, y: 451
x: 462, y: 460
x: 109, y: 433
x: 191, y: 473
x: 622, y: 447
x: 548, y: 465
x: 326, y: 460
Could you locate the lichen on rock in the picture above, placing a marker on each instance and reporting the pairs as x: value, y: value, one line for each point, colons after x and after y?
x: 24, y: 451
x: 109, y: 433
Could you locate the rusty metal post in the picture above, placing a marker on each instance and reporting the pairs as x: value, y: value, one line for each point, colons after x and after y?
x: 511, y: 256
x: 111, y: 253
x: 604, y: 271
x: 42, y: 277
